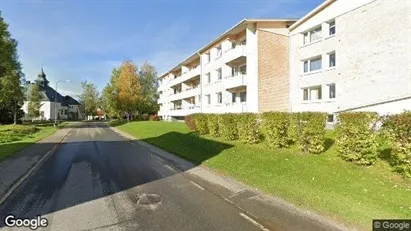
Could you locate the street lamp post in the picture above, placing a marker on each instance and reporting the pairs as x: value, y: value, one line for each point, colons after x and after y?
x: 55, y: 100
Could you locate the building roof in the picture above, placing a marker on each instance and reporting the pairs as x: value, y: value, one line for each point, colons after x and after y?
x: 310, y: 14
x: 48, y: 93
x: 241, y: 24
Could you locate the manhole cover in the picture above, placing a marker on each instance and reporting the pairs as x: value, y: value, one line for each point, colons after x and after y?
x: 149, y: 199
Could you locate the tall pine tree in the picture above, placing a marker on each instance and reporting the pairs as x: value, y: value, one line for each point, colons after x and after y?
x: 11, y: 91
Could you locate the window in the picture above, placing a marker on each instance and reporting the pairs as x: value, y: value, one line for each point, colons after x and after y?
x: 332, y: 92
x: 312, y: 93
x: 219, y: 74
x: 330, y: 118
x: 218, y: 51
x: 312, y: 36
x: 306, y: 66
x: 243, y: 69
x: 305, y: 94
x: 208, y: 76
x: 207, y: 57
x: 208, y: 97
x: 219, y: 97
x: 233, y: 97
x: 332, y: 28
x: 331, y: 58
x: 243, y: 96
x: 313, y: 64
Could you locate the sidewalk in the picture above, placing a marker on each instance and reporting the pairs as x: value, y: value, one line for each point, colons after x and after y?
x: 271, y: 212
x: 18, y: 165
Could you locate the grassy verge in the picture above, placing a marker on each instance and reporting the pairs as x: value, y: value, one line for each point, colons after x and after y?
x: 323, y: 183
x: 26, y: 139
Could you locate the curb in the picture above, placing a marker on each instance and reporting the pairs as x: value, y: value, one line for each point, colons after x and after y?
x: 276, y: 201
x: 32, y: 169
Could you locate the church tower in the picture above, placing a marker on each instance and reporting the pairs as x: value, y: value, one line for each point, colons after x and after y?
x: 41, y: 79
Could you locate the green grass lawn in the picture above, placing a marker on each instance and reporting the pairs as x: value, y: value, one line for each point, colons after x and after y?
x: 8, y: 148
x: 323, y: 183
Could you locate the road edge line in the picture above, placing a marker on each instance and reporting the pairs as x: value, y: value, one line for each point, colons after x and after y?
x: 32, y: 169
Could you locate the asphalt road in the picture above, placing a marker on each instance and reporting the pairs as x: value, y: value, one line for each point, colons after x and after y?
x: 96, y: 180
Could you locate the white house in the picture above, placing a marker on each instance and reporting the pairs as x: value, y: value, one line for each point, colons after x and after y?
x: 67, y: 108
x: 243, y: 70
x: 348, y: 55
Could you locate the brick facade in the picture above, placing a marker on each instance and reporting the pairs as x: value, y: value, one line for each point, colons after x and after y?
x: 273, y: 82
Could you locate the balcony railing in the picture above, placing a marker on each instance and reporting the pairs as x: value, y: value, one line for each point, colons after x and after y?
x: 183, y: 111
x: 236, y: 107
x: 235, y: 53
x: 236, y: 80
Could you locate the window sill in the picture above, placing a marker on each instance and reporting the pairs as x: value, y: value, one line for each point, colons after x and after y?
x: 219, y: 57
x: 311, y: 101
x: 331, y: 36
x: 330, y: 68
x: 312, y: 72
x: 311, y: 43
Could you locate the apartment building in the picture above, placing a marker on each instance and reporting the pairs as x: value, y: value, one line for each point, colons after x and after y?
x: 352, y: 55
x: 243, y: 70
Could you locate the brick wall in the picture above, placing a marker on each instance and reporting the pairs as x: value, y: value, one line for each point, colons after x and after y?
x: 273, y: 82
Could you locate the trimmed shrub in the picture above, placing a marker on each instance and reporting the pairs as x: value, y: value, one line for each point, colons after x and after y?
x: 213, y: 124
x: 189, y: 121
x: 294, y: 127
x: 201, y: 123
x: 398, y: 130
x: 228, y: 126
x: 356, y: 138
x: 16, y: 132
x: 117, y: 122
x: 275, y: 126
x: 248, y: 128
x: 311, y: 130
x: 154, y: 118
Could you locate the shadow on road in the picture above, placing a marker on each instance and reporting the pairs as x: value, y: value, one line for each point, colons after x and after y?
x: 93, y: 163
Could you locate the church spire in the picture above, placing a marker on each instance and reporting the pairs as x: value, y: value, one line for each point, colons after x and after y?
x: 41, y: 78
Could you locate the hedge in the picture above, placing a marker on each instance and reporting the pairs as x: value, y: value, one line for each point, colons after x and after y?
x: 189, y: 121
x: 228, y: 126
x: 356, y: 137
x: 294, y: 128
x: 201, y: 123
x: 213, y: 124
x: 398, y: 129
x: 275, y: 126
x: 311, y: 130
x: 248, y: 128
x: 16, y: 132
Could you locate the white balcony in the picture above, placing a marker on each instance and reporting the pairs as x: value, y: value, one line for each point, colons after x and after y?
x: 235, y: 108
x: 236, y: 54
x: 237, y: 80
x: 186, y: 76
x: 183, y: 111
x: 185, y: 94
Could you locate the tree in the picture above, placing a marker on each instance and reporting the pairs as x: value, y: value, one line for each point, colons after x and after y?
x: 148, y: 79
x: 34, y: 104
x: 11, y: 91
x: 109, y: 95
x: 128, y: 89
x: 89, y: 99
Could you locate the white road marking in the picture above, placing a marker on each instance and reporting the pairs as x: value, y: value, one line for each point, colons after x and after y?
x: 169, y: 167
x: 254, y: 222
x: 197, y: 185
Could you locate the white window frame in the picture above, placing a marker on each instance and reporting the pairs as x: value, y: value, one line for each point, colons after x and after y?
x: 308, y: 62
x: 219, y: 72
x: 219, y: 97
x: 219, y: 51
x: 241, y: 99
x: 307, y: 35
x: 233, y: 97
x: 309, y: 90
x: 332, y: 26
x: 208, y: 57
x: 208, y: 76
x: 329, y: 59
x: 329, y: 91
x: 208, y: 96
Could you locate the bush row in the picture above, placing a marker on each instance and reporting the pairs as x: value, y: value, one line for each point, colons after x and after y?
x: 356, y: 133
x: 16, y: 133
